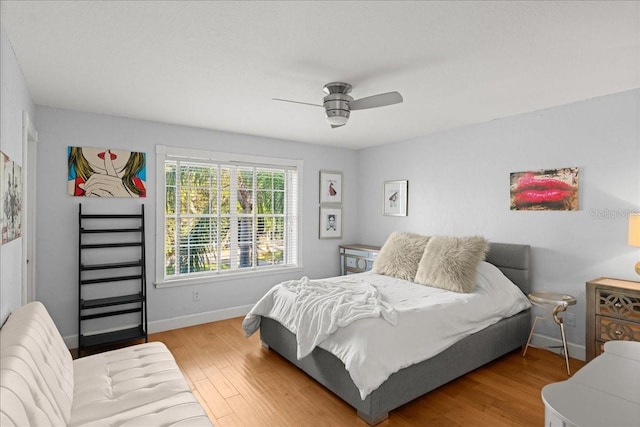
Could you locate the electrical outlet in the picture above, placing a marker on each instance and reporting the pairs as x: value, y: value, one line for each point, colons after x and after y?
x: 196, y: 296
x: 569, y: 319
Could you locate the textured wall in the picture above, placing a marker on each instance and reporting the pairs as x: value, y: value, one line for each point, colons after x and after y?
x: 459, y: 185
x: 168, y: 307
x: 14, y: 100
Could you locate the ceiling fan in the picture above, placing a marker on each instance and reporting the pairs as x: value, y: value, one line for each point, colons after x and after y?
x: 338, y: 104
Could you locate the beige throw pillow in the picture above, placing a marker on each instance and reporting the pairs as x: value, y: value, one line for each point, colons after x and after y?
x: 400, y: 255
x: 451, y: 262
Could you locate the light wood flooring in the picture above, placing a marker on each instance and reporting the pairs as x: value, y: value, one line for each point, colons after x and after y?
x: 240, y: 383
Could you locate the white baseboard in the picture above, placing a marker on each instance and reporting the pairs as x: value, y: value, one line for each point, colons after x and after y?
x: 198, y: 319
x: 181, y: 322
x: 575, y: 351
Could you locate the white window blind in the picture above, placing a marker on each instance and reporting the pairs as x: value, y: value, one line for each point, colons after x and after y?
x: 227, y: 214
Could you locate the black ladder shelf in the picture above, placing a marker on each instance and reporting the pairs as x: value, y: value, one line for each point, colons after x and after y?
x: 114, y: 286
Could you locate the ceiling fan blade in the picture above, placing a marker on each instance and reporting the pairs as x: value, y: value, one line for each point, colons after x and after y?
x: 296, y: 102
x: 336, y: 126
x: 374, y: 101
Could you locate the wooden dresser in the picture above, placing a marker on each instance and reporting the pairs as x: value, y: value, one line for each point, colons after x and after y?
x: 613, y: 313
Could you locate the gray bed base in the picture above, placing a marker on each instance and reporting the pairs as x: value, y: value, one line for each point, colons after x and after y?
x: 416, y: 380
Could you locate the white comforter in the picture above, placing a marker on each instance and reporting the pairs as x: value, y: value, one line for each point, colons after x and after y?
x: 321, y: 307
x: 429, y: 320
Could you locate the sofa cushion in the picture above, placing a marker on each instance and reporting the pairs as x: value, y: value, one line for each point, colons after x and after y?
x: 40, y: 384
x: 138, y: 385
x: 36, y: 370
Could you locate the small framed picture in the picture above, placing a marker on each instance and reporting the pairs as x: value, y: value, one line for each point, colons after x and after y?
x: 395, y: 197
x: 330, y: 187
x: 330, y: 222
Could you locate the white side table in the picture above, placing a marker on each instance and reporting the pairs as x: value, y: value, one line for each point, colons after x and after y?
x: 605, y: 392
x: 560, y: 302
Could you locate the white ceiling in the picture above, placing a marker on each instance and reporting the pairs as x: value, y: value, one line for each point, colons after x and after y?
x: 217, y: 65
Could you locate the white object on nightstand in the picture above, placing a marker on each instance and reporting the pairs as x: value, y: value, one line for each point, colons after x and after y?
x: 605, y: 392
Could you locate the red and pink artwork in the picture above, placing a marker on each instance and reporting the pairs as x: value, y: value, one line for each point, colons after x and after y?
x: 547, y: 189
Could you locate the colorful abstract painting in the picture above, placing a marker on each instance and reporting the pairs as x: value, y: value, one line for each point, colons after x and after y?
x: 104, y: 172
x: 10, y: 199
x: 547, y: 189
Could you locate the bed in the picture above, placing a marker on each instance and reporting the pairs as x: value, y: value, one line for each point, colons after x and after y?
x: 413, y: 381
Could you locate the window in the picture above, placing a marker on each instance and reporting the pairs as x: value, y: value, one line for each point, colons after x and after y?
x: 221, y: 213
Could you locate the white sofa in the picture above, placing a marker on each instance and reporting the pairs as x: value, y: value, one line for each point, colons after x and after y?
x: 40, y: 384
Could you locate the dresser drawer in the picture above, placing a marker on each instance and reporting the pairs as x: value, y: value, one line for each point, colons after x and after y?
x: 618, y: 305
x: 616, y: 329
x: 357, y: 263
x: 357, y: 258
x: 613, y: 313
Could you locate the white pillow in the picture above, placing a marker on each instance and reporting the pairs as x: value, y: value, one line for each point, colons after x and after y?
x: 400, y: 255
x: 451, y: 262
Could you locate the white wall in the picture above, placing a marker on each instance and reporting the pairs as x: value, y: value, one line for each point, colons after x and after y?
x: 57, y: 222
x: 14, y: 100
x: 459, y: 185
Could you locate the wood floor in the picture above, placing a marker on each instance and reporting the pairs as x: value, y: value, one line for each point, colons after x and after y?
x: 240, y: 383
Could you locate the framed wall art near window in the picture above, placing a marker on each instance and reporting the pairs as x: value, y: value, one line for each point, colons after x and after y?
x: 395, y: 197
x: 330, y: 222
x: 330, y: 187
x: 105, y: 172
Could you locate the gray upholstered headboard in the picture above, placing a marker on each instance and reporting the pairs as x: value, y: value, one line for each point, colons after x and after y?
x: 514, y: 261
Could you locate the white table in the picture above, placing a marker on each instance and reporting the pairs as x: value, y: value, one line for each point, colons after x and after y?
x: 605, y: 392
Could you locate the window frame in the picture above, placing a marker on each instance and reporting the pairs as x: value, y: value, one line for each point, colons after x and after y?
x: 195, y: 155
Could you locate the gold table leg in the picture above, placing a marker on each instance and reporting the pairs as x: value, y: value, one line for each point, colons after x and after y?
x: 533, y: 327
x: 560, y: 322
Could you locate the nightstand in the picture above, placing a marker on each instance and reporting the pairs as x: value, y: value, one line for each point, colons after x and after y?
x: 357, y: 258
x: 613, y: 313
x: 560, y: 302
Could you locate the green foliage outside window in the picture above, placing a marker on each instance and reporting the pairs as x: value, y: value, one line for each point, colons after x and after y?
x: 200, y: 219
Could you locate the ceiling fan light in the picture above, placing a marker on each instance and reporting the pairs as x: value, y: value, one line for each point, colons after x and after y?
x: 337, y: 117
